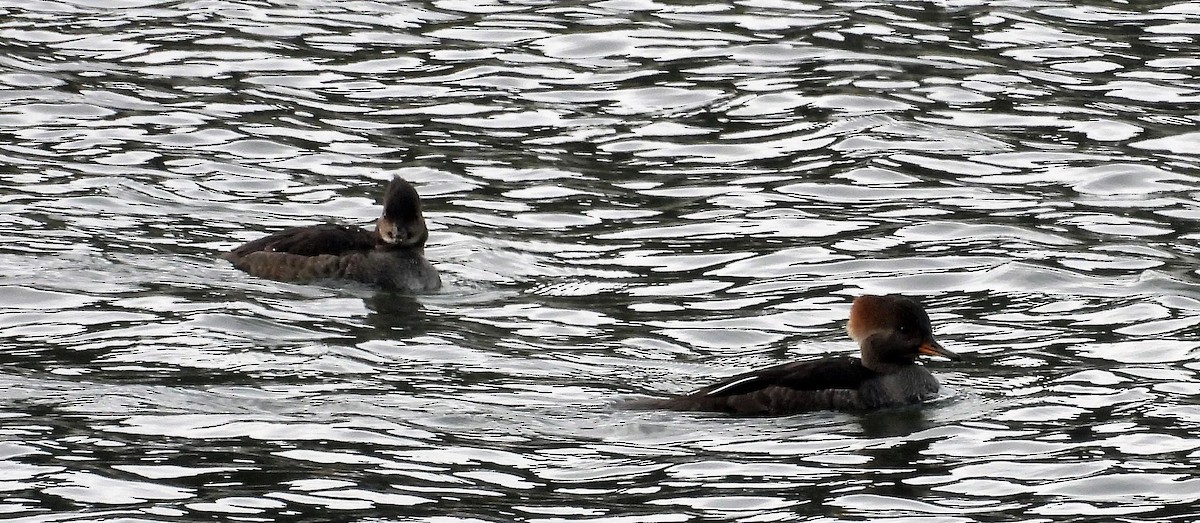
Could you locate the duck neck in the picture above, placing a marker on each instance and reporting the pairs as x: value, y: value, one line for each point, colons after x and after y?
x: 880, y: 355
x: 396, y: 248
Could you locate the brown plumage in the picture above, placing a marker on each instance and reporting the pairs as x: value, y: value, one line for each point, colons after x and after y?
x: 891, y: 332
x: 392, y: 256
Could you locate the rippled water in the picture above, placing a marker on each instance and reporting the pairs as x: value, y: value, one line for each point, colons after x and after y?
x: 626, y: 198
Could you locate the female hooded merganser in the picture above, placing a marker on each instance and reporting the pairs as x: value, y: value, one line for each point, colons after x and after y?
x: 392, y: 256
x: 891, y: 332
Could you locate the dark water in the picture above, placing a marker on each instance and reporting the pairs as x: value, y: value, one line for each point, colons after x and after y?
x: 626, y: 198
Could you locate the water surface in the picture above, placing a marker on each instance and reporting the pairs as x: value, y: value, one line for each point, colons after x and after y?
x: 626, y: 198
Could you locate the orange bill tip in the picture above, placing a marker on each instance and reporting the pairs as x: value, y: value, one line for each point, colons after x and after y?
x: 933, y: 348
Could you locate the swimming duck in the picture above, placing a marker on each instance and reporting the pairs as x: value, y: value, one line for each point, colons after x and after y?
x: 392, y: 256
x: 891, y: 332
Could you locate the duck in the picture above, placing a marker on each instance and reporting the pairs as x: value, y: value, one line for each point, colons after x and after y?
x: 391, y: 256
x: 891, y: 332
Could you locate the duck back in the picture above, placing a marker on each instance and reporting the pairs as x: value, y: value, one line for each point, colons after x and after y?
x: 320, y: 252
x: 829, y: 384
x: 310, y: 241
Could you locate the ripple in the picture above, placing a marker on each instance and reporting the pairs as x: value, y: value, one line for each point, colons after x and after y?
x: 1172, y: 488
x: 91, y: 488
x: 625, y: 198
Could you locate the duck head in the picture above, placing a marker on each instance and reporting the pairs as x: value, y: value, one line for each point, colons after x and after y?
x: 402, y: 224
x: 892, y: 331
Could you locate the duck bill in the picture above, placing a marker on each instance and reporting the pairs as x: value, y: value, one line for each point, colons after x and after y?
x: 933, y: 348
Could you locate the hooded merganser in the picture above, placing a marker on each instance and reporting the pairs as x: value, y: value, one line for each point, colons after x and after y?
x: 392, y: 256
x: 891, y: 332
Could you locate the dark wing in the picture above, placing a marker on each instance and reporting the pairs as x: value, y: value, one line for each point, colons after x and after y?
x: 828, y: 373
x: 831, y: 383
x: 284, y: 266
x: 310, y: 241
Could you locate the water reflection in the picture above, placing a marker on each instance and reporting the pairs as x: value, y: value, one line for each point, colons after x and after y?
x: 625, y: 198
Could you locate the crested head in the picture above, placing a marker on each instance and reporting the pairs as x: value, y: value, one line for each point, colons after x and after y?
x: 892, y: 329
x: 402, y: 223
x: 881, y: 314
x: 401, y: 201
